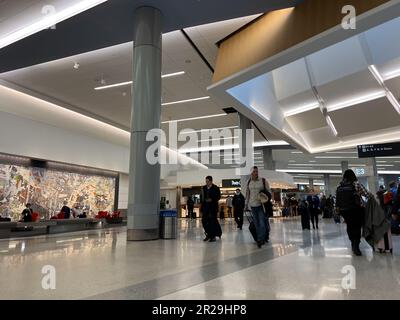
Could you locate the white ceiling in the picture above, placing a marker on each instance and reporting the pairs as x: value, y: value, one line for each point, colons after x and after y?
x: 58, y: 81
x: 335, y: 83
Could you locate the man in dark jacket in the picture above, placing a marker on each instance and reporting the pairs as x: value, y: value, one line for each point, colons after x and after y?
x: 210, y: 196
x: 238, y: 208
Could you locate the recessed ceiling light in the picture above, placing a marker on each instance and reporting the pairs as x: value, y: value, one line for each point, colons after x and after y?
x: 184, y: 101
x: 301, y: 109
x: 48, y: 20
x: 331, y: 125
x: 169, y: 75
x: 196, y: 118
x: 357, y: 100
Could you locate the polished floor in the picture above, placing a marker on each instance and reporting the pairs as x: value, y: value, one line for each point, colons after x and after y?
x: 295, y: 265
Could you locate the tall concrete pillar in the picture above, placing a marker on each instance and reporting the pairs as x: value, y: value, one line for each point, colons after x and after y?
x: 373, y: 181
x: 244, y: 150
x: 144, y: 178
x: 327, y: 181
x: 345, y: 166
x: 269, y: 163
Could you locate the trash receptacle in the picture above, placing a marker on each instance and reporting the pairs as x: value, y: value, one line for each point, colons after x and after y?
x: 168, y: 224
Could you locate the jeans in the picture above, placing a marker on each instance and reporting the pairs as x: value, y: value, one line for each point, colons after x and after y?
x: 261, y: 223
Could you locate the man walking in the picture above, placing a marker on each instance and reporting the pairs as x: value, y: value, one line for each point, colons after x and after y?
x: 238, y: 203
x: 255, y: 186
x: 210, y: 196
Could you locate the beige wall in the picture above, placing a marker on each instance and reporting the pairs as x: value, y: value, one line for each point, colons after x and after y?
x: 280, y: 30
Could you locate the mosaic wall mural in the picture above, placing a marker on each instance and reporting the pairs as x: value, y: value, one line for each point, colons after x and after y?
x: 47, y: 189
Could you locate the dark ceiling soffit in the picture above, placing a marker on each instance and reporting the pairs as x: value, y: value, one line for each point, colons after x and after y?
x: 111, y: 23
x: 197, y: 50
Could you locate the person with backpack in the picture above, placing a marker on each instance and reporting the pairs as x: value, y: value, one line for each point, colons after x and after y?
x: 210, y: 196
x: 238, y: 203
x: 350, y: 206
x: 257, y: 194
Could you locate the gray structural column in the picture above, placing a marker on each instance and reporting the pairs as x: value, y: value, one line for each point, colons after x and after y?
x: 311, y: 183
x: 345, y: 166
x: 373, y: 181
x: 327, y: 181
x: 244, y: 149
x: 269, y: 163
x: 144, y: 178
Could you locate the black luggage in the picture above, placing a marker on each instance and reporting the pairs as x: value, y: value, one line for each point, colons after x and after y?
x: 252, y: 227
x: 218, y: 231
x: 336, y: 218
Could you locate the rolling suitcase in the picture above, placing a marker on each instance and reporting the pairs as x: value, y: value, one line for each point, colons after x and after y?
x: 385, y: 244
x: 336, y: 218
x: 252, y: 227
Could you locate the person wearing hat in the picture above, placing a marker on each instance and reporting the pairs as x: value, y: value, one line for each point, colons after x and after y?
x: 256, y: 196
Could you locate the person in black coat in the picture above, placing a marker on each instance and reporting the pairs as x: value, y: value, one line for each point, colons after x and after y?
x: 190, y: 208
x: 210, y: 196
x: 238, y: 208
x: 304, y: 212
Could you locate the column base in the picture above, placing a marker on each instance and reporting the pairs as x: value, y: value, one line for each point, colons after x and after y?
x: 142, y: 234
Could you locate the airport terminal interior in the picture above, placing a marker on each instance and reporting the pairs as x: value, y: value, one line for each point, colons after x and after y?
x: 114, y: 114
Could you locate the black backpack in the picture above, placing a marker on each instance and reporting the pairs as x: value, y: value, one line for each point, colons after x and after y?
x: 347, y: 197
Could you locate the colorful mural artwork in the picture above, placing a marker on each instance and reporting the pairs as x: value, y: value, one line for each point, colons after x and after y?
x: 47, y: 189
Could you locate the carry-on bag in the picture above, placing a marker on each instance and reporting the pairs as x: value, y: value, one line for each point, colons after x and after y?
x: 252, y: 227
x: 385, y: 244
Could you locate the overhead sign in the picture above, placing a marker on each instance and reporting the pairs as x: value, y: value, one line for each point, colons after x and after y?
x: 379, y: 150
x: 231, y: 183
x: 367, y: 171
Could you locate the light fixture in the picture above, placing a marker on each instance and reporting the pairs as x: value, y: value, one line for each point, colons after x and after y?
x: 218, y: 139
x: 388, y: 172
x: 358, y: 100
x: 334, y: 157
x: 227, y: 147
x: 184, y: 101
x: 76, y: 65
x: 376, y: 74
x: 392, y: 74
x: 301, y: 109
x: 174, y: 74
x: 196, y: 118
x: 47, y: 21
x: 395, y: 103
x: 205, y: 130
x: 308, y: 171
x: 169, y: 75
x: 331, y: 125
x: 113, y: 85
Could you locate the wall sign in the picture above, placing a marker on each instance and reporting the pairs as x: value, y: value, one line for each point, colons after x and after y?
x: 231, y: 183
x: 379, y: 150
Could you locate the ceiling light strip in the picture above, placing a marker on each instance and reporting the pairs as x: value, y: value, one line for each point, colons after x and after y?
x: 301, y: 109
x: 48, y: 21
x: 169, y: 75
x: 184, y: 101
x: 196, y: 118
x: 331, y: 125
x: 358, y: 100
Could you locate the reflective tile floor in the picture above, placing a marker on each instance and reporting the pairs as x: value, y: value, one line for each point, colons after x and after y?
x: 295, y: 265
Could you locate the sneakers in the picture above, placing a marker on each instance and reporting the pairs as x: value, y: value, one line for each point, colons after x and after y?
x: 206, y: 238
x: 212, y: 240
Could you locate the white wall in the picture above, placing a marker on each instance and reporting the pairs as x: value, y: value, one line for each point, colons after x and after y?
x: 26, y: 137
